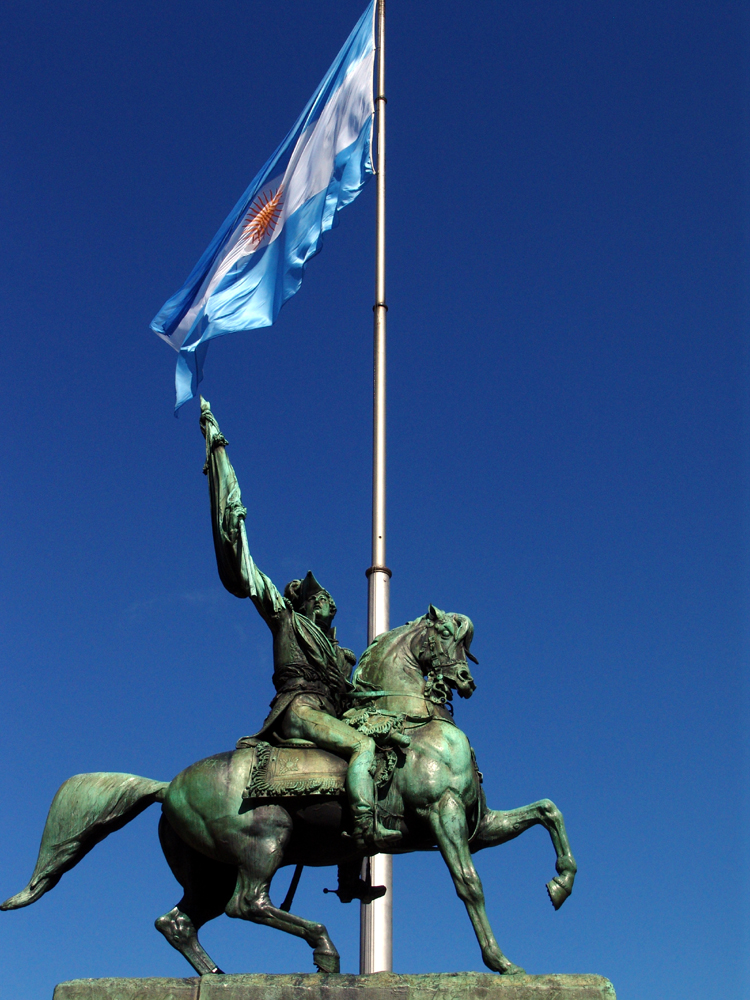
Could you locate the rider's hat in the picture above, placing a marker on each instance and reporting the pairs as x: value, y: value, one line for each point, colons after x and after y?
x: 309, y: 588
x: 300, y: 591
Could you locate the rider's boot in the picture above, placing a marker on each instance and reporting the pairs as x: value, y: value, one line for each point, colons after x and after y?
x: 369, y: 833
x: 352, y: 886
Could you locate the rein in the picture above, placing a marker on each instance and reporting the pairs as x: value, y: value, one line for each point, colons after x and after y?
x: 384, y: 694
x: 439, y: 661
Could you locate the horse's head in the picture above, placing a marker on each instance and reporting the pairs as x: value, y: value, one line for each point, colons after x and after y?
x: 443, y: 650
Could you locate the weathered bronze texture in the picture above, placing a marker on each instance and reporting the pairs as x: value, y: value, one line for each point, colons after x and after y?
x: 311, y: 671
x: 381, y: 986
x: 343, y: 767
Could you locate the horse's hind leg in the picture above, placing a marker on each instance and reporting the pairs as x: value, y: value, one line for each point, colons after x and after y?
x: 208, y: 885
x: 182, y: 934
x: 448, y: 820
x: 262, y: 855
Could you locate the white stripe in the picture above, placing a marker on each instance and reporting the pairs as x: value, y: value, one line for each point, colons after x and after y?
x: 340, y: 123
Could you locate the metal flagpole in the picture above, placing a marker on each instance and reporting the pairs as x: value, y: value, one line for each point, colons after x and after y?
x: 376, y: 931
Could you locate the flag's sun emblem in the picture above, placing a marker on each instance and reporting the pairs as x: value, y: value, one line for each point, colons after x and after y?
x: 263, y: 215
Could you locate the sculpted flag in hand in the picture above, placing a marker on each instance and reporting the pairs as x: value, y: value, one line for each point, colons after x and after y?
x: 257, y: 259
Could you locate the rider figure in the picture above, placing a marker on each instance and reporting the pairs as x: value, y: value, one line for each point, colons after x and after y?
x: 311, y: 671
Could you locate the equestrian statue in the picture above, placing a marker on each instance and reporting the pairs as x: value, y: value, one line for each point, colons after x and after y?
x: 348, y: 763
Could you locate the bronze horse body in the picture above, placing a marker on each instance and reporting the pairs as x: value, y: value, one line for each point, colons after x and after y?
x: 224, y: 848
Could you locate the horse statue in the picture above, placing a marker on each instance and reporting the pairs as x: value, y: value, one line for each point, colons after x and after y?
x: 229, y: 822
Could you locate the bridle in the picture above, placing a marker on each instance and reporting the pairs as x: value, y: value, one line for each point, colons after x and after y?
x: 437, y: 689
x: 433, y: 649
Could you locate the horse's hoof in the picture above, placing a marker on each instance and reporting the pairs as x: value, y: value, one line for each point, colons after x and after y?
x: 325, y: 961
x: 558, y: 892
x: 513, y: 970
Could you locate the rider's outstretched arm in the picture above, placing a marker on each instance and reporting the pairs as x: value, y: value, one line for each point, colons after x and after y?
x: 237, y: 571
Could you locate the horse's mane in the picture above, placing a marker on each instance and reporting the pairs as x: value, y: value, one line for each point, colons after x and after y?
x: 464, y: 631
x: 392, y: 634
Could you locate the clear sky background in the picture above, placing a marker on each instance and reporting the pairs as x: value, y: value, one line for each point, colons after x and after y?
x: 566, y: 456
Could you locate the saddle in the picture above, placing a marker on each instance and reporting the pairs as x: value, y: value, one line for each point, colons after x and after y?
x: 289, y: 768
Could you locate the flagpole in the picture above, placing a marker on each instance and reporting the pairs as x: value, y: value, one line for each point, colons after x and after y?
x: 376, y: 924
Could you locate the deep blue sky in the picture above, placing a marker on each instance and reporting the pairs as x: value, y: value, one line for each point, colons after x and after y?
x: 566, y: 455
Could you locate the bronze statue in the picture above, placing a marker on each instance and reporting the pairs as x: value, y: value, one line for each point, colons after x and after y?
x: 229, y: 822
x: 311, y: 671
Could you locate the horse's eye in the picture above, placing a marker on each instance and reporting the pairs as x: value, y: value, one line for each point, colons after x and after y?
x: 447, y: 632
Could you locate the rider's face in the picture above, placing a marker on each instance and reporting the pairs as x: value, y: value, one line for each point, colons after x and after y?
x: 320, y: 609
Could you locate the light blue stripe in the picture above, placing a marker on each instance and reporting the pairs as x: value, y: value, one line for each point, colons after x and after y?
x: 250, y: 299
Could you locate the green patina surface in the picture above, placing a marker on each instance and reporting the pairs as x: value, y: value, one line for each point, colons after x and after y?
x: 128, y: 989
x: 347, y: 764
x: 381, y: 986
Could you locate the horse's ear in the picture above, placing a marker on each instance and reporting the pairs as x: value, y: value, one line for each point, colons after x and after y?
x: 435, y: 614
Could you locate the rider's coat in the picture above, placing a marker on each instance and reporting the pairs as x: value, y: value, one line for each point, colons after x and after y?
x: 306, y: 660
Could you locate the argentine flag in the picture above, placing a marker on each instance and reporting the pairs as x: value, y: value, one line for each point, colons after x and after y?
x: 257, y: 259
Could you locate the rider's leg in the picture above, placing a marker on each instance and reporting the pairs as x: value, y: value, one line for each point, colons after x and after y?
x: 360, y: 789
x: 329, y: 733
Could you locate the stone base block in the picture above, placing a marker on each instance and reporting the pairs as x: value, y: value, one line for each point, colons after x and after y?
x: 381, y: 986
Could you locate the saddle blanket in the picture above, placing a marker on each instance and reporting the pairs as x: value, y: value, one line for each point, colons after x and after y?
x: 290, y: 771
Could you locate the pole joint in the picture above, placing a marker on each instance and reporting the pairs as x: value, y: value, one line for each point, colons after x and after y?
x: 378, y: 569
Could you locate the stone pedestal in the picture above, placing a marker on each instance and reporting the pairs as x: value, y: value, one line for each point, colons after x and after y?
x: 381, y: 986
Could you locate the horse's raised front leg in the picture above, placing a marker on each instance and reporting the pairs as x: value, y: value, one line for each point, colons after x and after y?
x: 499, y: 826
x: 261, y: 856
x: 448, y: 821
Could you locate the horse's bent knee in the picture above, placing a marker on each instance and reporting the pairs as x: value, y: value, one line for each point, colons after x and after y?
x: 549, y: 811
x: 247, y: 904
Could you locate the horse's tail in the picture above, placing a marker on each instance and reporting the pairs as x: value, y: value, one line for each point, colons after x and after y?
x: 86, y: 809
